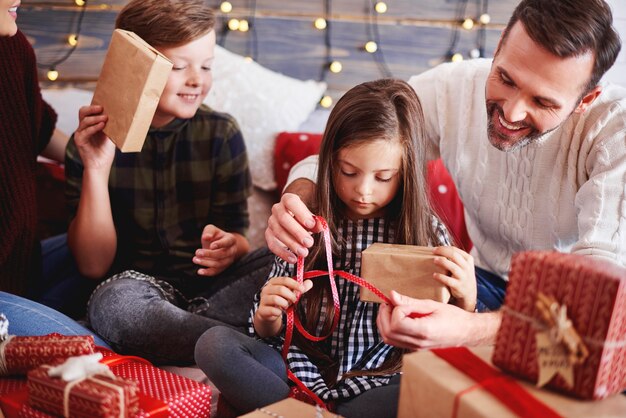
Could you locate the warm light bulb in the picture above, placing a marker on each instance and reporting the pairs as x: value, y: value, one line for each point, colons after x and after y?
x: 72, y: 39
x: 226, y: 7
x: 326, y: 102
x: 79, y: 2
x: 320, y: 23
x: 371, y: 47
x: 244, y: 26
x: 457, y: 57
x: 468, y: 24
x: 248, y: 59
x: 335, y: 67
x: 484, y: 18
x: 381, y: 7
x: 53, y: 74
x: 475, y: 53
x: 233, y: 24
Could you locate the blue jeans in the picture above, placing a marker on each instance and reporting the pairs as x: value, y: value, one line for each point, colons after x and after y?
x: 61, y: 286
x: 250, y: 374
x: 136, y: 317
x: 31, y: 318
x: 491, y: 290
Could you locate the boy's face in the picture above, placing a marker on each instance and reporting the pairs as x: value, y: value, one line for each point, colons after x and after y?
x: 189, y: 82
x: 8, y: 15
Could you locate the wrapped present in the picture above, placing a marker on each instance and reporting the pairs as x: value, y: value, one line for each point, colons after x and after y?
x: 18, y: 355
x: 564, y: 324
x: 290, y: 408
x: 185, y: 398
x: 407, y: 269
x: 142, y: 79
x: 82, y: 387
x: 439, y: 384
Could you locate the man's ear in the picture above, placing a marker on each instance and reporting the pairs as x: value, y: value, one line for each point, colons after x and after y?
x: 587, y: 99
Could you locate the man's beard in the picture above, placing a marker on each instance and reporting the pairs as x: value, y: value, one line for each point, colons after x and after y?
x: 504, y: 143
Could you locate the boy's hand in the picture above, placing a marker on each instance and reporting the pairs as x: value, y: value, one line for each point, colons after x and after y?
x: 95, y: 148
x: 218, y: 252
x: 462, y: 279
x: 278, y: 294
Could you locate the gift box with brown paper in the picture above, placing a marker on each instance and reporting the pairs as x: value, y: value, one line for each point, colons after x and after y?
x: 97, y: 395
x: 564, y: 323
x: 129, y: 87
x: 290, y: 408
x: 432, y: 387
x: 407, y: 269
x: 21, y: 354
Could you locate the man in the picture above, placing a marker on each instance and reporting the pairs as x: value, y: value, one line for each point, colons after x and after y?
x: 537, y: 150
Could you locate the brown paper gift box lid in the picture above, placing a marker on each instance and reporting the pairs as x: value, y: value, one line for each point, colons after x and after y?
x: 129, y: 88
x: 289, y: 408
x: 407, y: 269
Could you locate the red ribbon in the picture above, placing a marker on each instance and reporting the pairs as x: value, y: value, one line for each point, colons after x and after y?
x: 504, y: 388
x: 292, y: 319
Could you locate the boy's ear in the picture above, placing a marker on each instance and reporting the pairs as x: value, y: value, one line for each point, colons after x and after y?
x: 587, y: 99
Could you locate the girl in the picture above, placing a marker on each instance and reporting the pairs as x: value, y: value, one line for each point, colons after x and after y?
x: 371, y: 188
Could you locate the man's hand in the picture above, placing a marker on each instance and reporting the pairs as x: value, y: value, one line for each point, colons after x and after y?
x: 289, y: 228
x: 218, y: 252
x: 424, y: 324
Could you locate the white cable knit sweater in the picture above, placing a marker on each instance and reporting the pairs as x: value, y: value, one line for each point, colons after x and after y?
x: 566, y: 192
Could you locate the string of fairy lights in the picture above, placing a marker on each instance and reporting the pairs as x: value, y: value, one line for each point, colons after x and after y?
x: 243, y: 20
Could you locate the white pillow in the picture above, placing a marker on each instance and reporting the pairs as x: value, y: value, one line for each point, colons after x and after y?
x: 66, y: 102
x: 264, y: 103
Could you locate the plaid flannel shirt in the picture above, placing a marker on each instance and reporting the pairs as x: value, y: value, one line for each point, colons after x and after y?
x: 190, y: 173
x: 355, y: 342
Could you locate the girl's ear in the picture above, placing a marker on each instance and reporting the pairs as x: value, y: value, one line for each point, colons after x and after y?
x: 587, y: 99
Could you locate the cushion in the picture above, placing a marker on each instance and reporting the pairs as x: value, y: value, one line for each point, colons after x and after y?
x: 290, y: 148
x: 264, y: 103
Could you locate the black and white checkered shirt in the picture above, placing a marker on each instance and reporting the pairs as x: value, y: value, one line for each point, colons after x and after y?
x: 355, y: 343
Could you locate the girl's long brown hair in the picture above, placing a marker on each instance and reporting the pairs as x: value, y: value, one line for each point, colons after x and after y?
x: 388, y: 110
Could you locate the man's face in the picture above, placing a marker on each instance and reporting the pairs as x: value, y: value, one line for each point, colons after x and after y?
x: 8, y: 15
x: 189, y: 82
x: 530, y: 91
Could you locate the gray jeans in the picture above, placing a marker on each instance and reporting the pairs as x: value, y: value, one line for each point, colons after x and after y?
x: 139, y: 315
x: 250, y: 374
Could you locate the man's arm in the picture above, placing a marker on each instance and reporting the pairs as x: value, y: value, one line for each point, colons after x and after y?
x: 424, y: 324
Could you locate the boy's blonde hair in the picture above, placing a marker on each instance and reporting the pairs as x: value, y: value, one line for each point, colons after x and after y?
x: 169, y: 23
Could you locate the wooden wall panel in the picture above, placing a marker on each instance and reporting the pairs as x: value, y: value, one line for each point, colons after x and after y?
x: 414, y: 35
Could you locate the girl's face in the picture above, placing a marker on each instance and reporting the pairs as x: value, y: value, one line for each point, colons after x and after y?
x: 8, y: 15
x: 367, y: 177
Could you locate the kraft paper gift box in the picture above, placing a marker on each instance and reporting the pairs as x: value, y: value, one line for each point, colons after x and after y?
x: 22, y: 354
x: 129, y: 87
x: 407, y: 269
x: 290, y: 408
x: 564, y: 324
x: 431, y: 387
x: 94, y: 396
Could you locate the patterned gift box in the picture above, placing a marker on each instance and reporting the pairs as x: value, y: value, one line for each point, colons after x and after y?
x: 162, y: 394
x: 22, y: 354
x: 588, y: 292
x: 96, y: 396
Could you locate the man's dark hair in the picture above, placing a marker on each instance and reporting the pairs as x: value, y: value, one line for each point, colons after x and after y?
x: 568, y: 28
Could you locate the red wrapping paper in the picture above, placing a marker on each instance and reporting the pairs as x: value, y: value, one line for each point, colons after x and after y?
x: 22, y: 354
x: 594, y: 293
x: 97, y: 396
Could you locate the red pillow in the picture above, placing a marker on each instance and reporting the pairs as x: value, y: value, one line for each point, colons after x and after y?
x: 290, y: 148
x: 447, y: 204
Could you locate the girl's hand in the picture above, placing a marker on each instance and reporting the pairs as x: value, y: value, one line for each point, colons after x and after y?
x: 462, y: 279
x: 95, y: 148
x: 278, y: 294
x: 218, y: 252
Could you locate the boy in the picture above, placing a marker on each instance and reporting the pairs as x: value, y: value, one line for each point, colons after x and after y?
x: 176, y: 211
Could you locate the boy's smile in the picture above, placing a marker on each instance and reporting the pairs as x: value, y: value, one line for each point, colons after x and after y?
x: 189, y: 82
